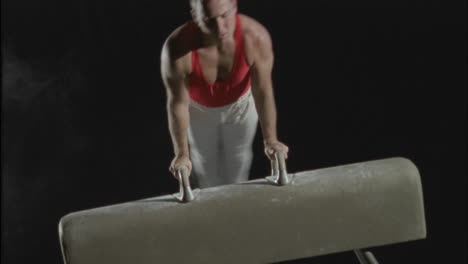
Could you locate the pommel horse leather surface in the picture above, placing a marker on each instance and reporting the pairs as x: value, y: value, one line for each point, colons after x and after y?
x: 323, y: 211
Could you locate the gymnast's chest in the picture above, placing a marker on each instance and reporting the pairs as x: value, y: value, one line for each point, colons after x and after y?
x: 216, y: 65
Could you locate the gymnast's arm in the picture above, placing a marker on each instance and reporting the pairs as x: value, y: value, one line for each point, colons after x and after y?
x: 262, y: 90
x: 174, y: 75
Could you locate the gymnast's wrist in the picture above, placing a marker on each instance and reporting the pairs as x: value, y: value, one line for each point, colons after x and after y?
x: 182, y: 154
x: 270, y: 140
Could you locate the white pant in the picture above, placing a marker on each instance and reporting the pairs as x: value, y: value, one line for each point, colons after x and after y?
x: 220, y: 140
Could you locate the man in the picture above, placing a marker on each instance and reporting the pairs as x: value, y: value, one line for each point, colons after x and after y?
x: 217, y: 73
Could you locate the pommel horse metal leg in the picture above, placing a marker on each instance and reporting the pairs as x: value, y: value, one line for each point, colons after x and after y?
x: 366, y: 257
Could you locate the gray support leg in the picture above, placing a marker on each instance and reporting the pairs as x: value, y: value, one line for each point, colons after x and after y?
x: 366, y: 257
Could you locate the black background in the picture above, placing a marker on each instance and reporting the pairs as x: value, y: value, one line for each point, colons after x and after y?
x: 84, y: 122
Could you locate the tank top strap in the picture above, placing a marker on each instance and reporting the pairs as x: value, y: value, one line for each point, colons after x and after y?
x: 195, y: 63
x: 240, y: 51
x: 238, y: 32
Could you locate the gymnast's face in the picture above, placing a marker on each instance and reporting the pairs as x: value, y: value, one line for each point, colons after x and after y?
x: 215, y: 17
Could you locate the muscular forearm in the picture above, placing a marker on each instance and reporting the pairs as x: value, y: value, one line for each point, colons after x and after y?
x: 266, y: 108
x: 178, y: 117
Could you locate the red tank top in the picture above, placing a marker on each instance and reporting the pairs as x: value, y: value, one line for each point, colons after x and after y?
x: 223, y: 92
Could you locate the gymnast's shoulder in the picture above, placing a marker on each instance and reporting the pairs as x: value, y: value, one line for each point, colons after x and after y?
x: 177, y: 46
x: 257, y: 39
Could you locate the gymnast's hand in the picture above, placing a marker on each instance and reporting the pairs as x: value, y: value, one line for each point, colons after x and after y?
x: 180, y: 161
x: 271, y: 147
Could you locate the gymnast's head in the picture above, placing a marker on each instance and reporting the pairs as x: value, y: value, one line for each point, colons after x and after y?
x: 215, y: 17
